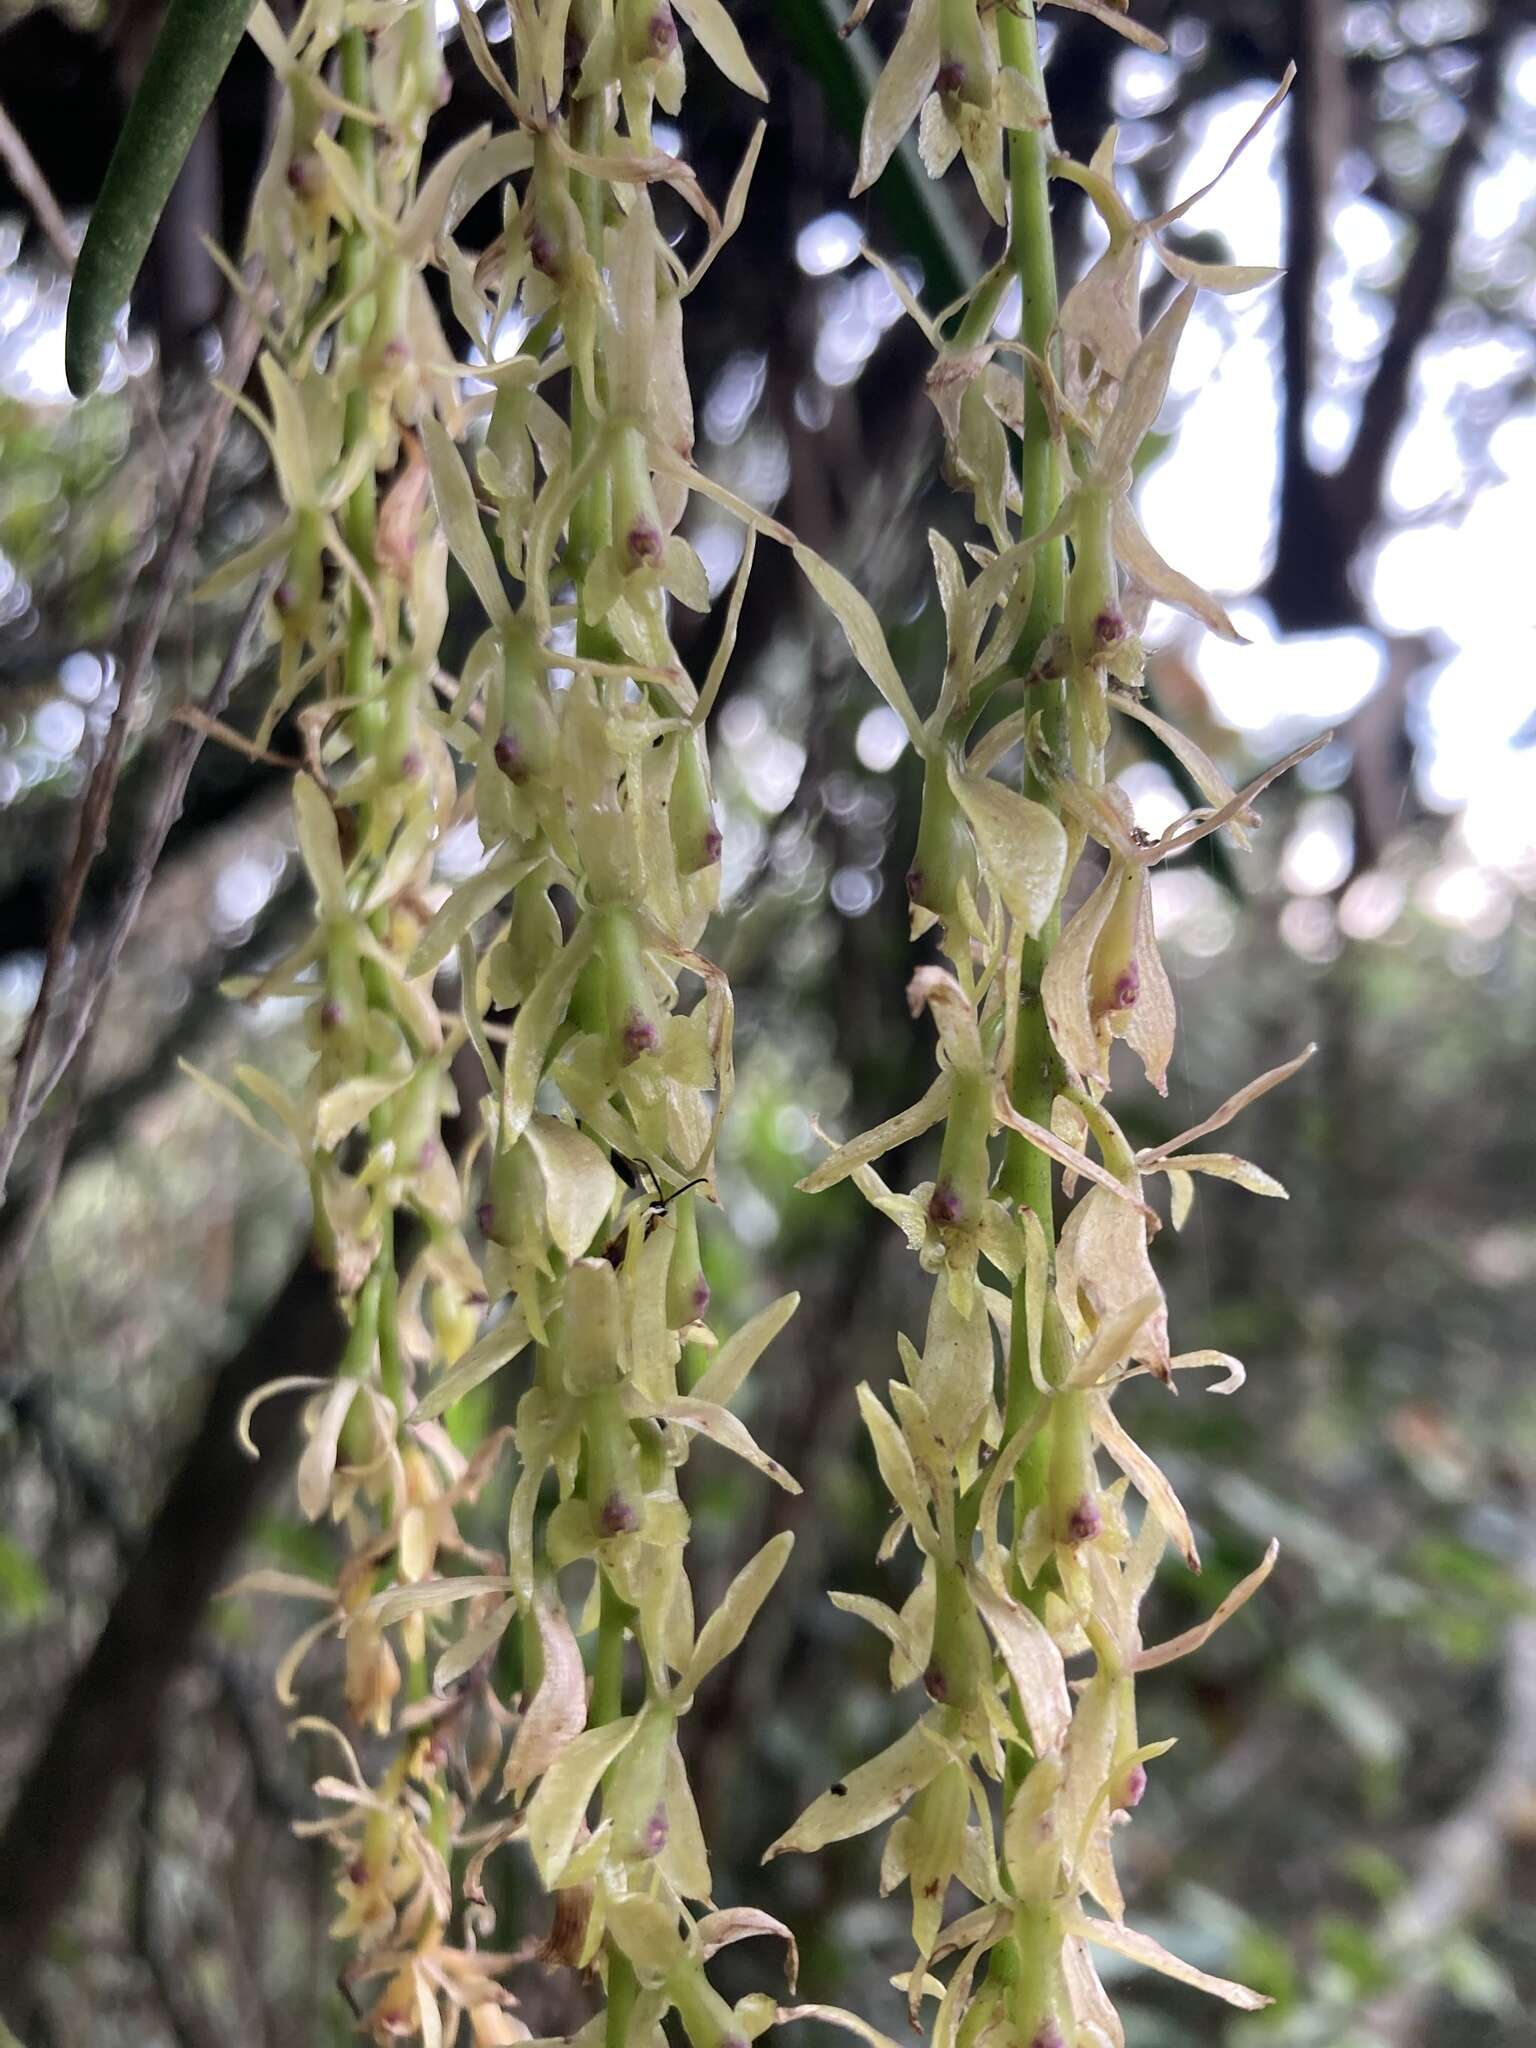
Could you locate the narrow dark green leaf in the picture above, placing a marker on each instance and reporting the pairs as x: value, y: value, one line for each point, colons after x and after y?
x: 195, y: 45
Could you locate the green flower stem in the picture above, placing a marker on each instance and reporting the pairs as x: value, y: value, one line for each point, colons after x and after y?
x: 357, y: 269
x: 191, y: 55
x: 608, y: 1666
x: 1032, y: 258
x: 591, y: 519
x: 607, y: 1704
x: 1026, y: 1174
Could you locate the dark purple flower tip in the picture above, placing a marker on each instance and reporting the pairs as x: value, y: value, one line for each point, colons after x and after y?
x: 1128, y: 988
x: 330, y: 1015
x: 616, y: 1517
x: 653, y: 1838
x: 698, y: 1301
x: 1048, y: 2036
x: 427, y: 1156
x: 508, y: 756
x: 643, y: 544
x: 639, y: 1035
x: 914, y: 885
x: 1132, y: 1789
x: 305, y: 175
x: 357, y: 1871
x: 1085, y: 1521
x: 396, y: 353
x: 945, y: 1207
x: 543, y: 254
x: 935, y: 1684
x: 1109, y: 628
x: 949, y: 77
x: 485, y: 1216
x: 714, y: 845
x: 662, y: 33
x: 411, y: 765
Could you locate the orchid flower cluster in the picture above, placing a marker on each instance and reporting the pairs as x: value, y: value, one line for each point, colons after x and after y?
x: 993, y: 1443
x: 552, y: 468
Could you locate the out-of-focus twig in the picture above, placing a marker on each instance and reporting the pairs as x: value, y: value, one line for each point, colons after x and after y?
x: 96, y: 805
x: 1463, y: 1858
x: 104, y: 1726
x: 26, y: 175
x: 179, y: 750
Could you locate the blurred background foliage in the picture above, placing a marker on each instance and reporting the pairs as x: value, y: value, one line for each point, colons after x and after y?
x: 1349, y: 1819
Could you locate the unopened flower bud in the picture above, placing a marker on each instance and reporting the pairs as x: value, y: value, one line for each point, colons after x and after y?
x: 636, y: 1802
x: 617, y: 1516
x: 508, y: 756
x: 306, y: 175
x: 640, y: 1035
x: 961, y: 1659
x: 1085, y: 1521
x: 643, y: 545
x: 1131, y: 1790
x: 544, y: 253
x: 1114, y: 978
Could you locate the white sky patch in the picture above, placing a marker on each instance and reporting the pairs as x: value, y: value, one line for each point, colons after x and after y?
x: 880, y: 740
x: 1320, y: 851
x: 1466, y: 575
x: 1308, y: 679
x: 828, y: 243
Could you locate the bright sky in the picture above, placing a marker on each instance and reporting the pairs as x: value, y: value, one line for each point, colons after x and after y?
x: 1458, y: 564
x: 1460, y: 570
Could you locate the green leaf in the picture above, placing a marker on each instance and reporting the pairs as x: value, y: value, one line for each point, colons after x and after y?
x: 459, y: 516
x: 741, y: 1351
x: 867, y: 1796
x: 23, y: 1589
x: 734, y: 1616
x: 721, y: 39
x: 855, y: 614
x: 1023, y: 846
x: 557, y: 1809
x: 191, y: 55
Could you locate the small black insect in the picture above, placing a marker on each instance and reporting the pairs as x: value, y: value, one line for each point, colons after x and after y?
x: 640, y: 1175
x: 839, y: 1790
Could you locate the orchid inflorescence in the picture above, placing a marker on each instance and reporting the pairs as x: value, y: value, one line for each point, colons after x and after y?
x: 556, y: 1002
x: 553, y: 467
x: 1014, y: 1779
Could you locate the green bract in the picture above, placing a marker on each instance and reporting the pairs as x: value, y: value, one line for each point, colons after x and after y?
x: 191, y: 54
x: 555, y: 999
x: 991, y: 1445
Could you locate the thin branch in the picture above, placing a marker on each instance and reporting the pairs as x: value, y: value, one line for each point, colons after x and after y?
x: 180, y: 748
x: 96, y: 805
x: 99, y: 1121
x: 178, y: 753
x: 104, y: 1727
x: 1463, y: 1858
x: 1358, y: 486
x: 27, y: 177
